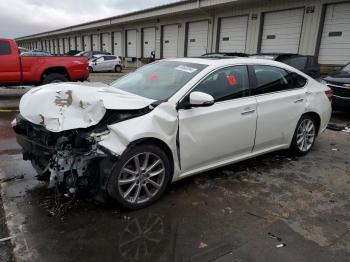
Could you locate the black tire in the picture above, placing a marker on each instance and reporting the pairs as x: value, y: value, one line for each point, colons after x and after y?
x: 113, y: 187
x: 294, y: 147
x: 118, y: 69
x: 54, y: 78
x: 91, y: 70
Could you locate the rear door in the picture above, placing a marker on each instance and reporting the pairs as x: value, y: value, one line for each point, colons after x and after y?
x: 100, y: 64
x: 281, y: 99
x: 223, y: 131
x: 10, y: 70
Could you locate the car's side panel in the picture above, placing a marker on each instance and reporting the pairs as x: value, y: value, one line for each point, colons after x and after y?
x: 211, y: 134
x: 278, y: 114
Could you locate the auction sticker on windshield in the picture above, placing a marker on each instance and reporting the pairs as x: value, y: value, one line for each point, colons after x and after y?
x: 186, y: 69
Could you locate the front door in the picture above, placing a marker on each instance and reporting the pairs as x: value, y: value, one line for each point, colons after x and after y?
x: 10, y: 71
x: 224, y: 130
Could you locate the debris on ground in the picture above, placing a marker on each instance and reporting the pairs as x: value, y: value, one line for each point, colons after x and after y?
x: 226, y: 210
x: 8, y: 179
x: 202, y: 245
x: 281, y: 245
x: 6, y: 238
x: 335, y: 149
x: 274, y: 237
x: 338, y: 128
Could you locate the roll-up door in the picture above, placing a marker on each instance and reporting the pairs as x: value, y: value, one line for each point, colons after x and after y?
x: 79, y: 45
x: 197, y: 38
x: 335, y: 41
x: 96, y: 43
x: 170, y: 41
x: 72, y: 43
x: 117, y: 43
x: 233, y: 34
x: 282, y: 31
x: 87, y: 43
x: 149, y: 41
x: 106, y: 42
x: 131, y: 49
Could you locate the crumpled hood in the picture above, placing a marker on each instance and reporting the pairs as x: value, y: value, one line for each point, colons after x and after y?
x: 67, y: 106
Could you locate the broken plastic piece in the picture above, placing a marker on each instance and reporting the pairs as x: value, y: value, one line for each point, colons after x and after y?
x: 281, y: 245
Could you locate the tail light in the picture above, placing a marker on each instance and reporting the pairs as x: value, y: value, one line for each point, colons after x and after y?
x: 329, y: 94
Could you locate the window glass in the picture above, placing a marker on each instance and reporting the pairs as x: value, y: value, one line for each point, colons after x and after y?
x: 272, y: 79
x: 5, y: 48
x: 110, y: 58
x: 298, y: 80
x: 100, y: 59
x: 227, y: 83
x: 160, y: 80
x: 298, y: 62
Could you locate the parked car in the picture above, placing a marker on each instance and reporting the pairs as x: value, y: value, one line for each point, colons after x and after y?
x: 30, y: 53
x: 37, y: 70
x: 306, y: 64
x: 90, y: 54
x: 22, y: 49
x: 219, y: 54
x: 106, y: 63
x: 166, y: 121
x: 339, y: 81
x: 72, y: 53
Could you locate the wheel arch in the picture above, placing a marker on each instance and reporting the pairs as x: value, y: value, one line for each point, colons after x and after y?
x: 317, y: 118
x: 58, y: 69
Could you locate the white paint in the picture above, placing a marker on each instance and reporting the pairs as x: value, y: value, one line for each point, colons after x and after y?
x: 197, y: 39
x: 170, y: 41
x: 149, y: 41
x: 117, y: 42
x: 131, y: 36
x: 233, y: 34
x: 336, y: 49
x: 281, y: 31
x: 106, y: 42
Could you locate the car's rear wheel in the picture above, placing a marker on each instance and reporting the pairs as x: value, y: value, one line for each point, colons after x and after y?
x: 140, y: 176
x: 54, y: 78
x: 118, y: 69
x: 304, y: 136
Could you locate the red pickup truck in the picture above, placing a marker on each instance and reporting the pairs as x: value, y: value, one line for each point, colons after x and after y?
x: 38, y: 70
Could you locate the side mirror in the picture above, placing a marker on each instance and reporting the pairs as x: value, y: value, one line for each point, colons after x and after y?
x: 200, y: 99
x: 95, y: 63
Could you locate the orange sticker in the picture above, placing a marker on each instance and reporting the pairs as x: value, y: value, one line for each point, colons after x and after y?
x: 153, y: 77
x: 232, y: 81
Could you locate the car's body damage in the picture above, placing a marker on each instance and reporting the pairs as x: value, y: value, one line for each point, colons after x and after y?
x: 72, y: 128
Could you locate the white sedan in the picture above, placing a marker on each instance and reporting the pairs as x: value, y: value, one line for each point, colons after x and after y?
x: 167, y: 121
x: 101, y: 63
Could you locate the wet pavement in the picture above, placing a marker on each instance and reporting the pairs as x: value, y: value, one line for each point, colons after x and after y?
x: 272, y: 208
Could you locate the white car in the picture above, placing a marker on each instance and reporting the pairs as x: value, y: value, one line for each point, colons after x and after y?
x: 105, y: 63
x: 167, y: 121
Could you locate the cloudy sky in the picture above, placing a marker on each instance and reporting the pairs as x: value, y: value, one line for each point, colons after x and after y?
x: 25, y: 17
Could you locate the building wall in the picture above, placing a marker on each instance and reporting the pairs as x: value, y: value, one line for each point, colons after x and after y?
x: 211, y: 10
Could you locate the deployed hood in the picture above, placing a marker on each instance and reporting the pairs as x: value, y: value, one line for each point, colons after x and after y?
x: 66, y: 106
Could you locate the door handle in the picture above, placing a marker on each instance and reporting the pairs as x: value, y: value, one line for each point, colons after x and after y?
x: 248, y: 112
x: 299, y: 100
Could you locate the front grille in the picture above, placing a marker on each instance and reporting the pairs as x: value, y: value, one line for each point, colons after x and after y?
x: 339, y: 90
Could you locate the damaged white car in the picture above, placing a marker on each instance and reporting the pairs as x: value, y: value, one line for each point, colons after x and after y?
x: 167, y: 121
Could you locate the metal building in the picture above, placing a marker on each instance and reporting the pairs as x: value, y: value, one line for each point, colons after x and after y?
x: 194, y: 27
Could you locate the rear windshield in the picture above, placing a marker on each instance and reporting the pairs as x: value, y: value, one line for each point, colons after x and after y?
x: 160, y: 80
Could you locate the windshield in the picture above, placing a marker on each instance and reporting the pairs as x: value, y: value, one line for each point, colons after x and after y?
x: 160, y: 80
x: 346, y: 68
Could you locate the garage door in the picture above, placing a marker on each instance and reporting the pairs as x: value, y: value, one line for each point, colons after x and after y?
x: 149, y: 41
x: 87, y: 43
x: 106, y: 42
x: 79, y: 45
x: 170, y: 41
x: 117, y: 43
x: 72, y: 43
x: 197, y: 38
x: 96, y: 43
x: 131, y: 43
x: 233, y: 34
x: 56, y: 46
x: 60, y: 45
x: 281, y: 31
x: 66, y: 45
x: 335, y: 41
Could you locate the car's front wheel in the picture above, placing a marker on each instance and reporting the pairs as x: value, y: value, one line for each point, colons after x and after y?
x: 304, y: 136
x: 140, y: 176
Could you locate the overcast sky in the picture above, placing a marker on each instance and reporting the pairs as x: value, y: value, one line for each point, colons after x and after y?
x: 26, y: 17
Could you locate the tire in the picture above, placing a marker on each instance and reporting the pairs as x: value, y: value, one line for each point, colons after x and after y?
x: 118, y: 69
x: 54, y: 78
x: 304, y: 136
x: 129, y: 189
x: 91, y: 70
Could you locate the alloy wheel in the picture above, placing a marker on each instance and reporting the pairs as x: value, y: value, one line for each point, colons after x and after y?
x: 141, y: 177
x: 306, y: 135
